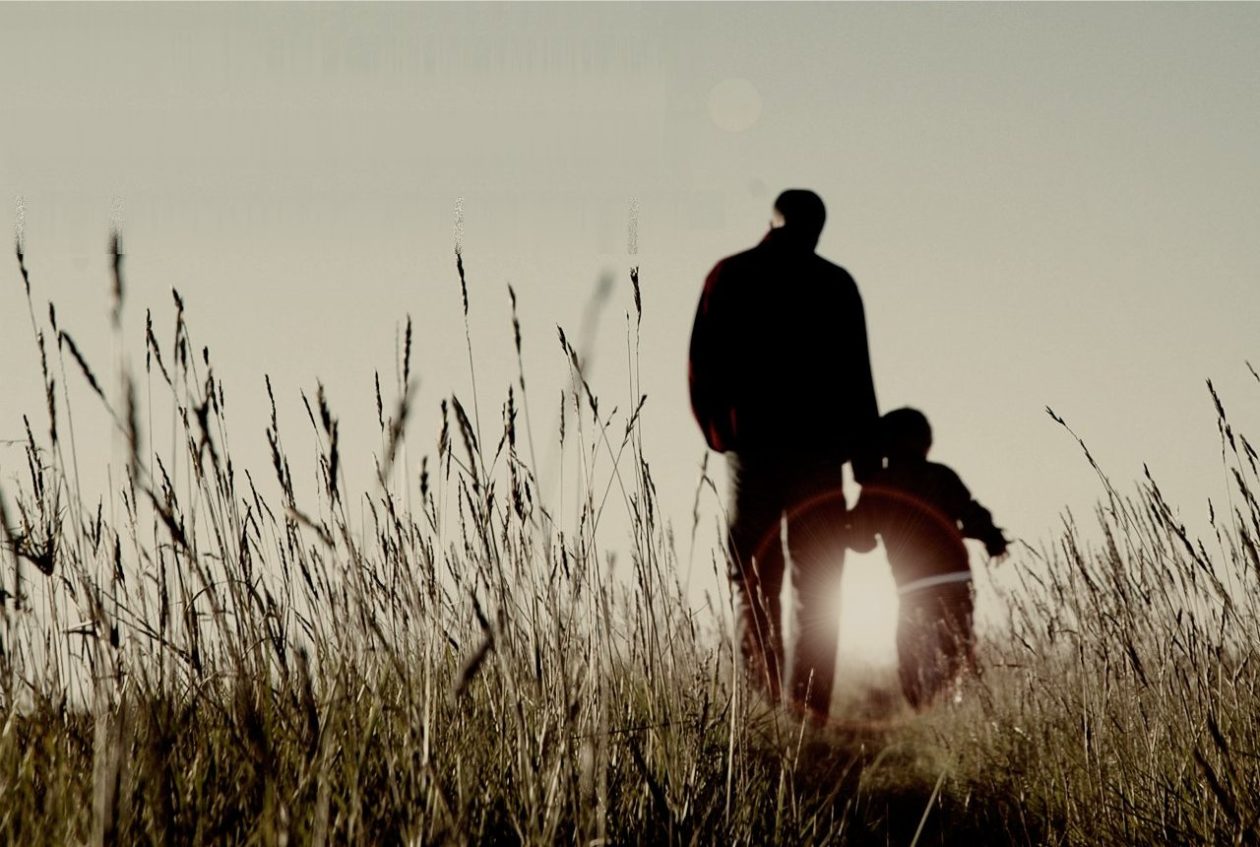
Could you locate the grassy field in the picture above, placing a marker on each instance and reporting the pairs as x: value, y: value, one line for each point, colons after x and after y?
x: 450, y: 664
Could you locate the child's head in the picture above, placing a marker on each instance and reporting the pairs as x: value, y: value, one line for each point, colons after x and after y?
x: 906, y: 435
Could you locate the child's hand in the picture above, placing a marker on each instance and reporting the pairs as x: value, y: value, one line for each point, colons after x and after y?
x: 995, y: 546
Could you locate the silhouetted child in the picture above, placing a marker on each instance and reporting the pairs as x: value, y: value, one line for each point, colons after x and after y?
x: 922, y: 511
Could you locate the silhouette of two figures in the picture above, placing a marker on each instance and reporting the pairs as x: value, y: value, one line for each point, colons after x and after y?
x: 780, y: 381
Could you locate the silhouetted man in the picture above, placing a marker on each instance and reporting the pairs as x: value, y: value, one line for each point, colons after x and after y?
x: 781, y: 382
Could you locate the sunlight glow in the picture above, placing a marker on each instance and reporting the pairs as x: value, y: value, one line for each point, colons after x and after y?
x: 868, y: 610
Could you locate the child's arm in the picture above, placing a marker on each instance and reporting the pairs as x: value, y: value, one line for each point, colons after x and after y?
x: 974, y: 519
x: 978, y: 523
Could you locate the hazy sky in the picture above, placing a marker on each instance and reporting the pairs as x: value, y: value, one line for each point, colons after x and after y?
x: 1042, y: 205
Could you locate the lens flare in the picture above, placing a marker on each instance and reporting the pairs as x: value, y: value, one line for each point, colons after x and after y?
x: 868, y: 611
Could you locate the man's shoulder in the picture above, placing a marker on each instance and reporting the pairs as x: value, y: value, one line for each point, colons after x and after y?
x: 766, y: 254
x: 831, y: 270
x: 736, y: 261
x: 764, y: 259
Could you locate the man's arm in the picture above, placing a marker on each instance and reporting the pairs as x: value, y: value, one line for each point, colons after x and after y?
x: 707, y: 370
x: 863, y: 408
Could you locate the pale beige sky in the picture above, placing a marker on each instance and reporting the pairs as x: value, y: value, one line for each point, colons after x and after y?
x: 1042, y: 205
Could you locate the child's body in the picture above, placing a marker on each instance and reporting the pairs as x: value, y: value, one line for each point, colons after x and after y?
x: 922, y: 511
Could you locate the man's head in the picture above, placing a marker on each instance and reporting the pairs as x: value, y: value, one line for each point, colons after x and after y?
x: 800, y: 213
x: 906, y: 435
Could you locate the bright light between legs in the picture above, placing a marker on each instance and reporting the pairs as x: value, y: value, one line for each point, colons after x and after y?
x: 868, y: 611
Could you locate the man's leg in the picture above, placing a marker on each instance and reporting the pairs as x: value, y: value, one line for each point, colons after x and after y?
x: 756, y: 573
x: 815, y: 537
x: 760, y: 627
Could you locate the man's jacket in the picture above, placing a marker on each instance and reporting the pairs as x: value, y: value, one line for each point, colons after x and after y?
x: 779, y: 359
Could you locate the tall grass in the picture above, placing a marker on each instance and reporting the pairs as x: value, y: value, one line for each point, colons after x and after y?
x: 1123, y: 706
x: 212, y: 655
